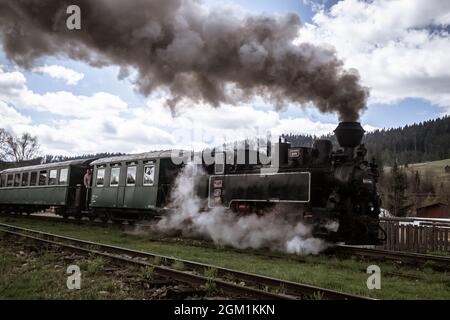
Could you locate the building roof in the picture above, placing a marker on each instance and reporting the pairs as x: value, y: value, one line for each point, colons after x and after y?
x: 140, y: 156
x: 48, y: 165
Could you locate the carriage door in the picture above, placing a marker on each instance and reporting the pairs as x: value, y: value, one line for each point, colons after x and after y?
x: 129, y: 195
x: 114, y: 183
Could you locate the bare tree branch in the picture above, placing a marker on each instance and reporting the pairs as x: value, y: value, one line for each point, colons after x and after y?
x: 17, y: 149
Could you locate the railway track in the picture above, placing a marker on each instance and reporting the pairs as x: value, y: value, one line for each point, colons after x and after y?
x: 438, y: 262
x: 415, y: 259
x: 232, y: 282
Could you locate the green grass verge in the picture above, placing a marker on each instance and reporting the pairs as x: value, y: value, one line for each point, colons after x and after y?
x: 32, y: 275
x: 434, y: 168
x: 347, y: 275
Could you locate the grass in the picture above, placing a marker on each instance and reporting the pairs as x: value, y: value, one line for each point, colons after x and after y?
x: 148, y: 273
x: 347, y: 275
x: 96, y: 265
x: 210, y: 285
x: 178, y: 265
x: 434, y: 168
x: 43, y: 275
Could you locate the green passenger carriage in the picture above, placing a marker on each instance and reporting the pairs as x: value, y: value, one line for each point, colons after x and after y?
x: 40, y: 187
x: 139, y: 183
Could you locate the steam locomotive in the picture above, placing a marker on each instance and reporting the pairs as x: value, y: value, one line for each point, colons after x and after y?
x: 335, y: 191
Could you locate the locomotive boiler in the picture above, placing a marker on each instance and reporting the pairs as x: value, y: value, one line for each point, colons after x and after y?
x: 335, y: 191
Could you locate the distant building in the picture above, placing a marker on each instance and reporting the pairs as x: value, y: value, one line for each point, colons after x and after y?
x: 447, y: 169
x: 434, y: 210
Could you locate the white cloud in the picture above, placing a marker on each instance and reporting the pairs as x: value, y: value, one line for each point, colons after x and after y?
x: 14, y: 90
x: 399, y: 47
x: 103, y: 122
x: 65, y: 103
x: 71, y: 77
x: 10, y: 117
x: 315, y: 5
x: 11, y: 83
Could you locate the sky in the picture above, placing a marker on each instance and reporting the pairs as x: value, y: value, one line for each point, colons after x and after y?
x: 400, y: 49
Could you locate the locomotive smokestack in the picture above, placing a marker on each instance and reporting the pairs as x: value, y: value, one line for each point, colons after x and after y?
x: 349, y: 136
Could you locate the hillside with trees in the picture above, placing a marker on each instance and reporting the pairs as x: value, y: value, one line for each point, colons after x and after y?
x: 422, y: 142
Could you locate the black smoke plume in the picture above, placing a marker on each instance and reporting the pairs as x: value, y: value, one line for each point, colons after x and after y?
x: 215, y: 56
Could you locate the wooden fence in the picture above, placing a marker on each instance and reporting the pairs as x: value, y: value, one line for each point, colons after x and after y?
x: 416, y: 235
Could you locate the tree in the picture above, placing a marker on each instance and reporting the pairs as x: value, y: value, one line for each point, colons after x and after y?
x: 397, y: 200
x: 416, y: 185
x: 3, y: 138
x: 17, y: 149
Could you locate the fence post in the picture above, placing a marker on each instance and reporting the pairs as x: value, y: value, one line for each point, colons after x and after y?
x: 433, y: 242
x: 408, y: 238
x: 396, y: 239
x: 415, y: 241
x: 446, y: 247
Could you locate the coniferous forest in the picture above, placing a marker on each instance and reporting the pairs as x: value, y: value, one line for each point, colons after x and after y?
x: 422, y: 142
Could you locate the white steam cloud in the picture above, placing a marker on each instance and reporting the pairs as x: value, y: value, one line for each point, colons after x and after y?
x: 190, y: 217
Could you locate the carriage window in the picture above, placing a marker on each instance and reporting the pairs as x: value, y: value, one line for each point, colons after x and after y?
x: 10, y: 180
x: 52, y: 177
x: 100, y: 177
x: 42, y: 178
x: 115, y: 173
x: 3, y: 181
x: 33, y: 178
x: 149, y: 175
x: 17, y: 180
x: 63, y: 176
x: 25, y: 179
x: 131, y: 176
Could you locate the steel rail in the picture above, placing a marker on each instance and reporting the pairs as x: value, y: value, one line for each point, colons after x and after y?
x: 407, y: 257
x: 379, y: 254
x: 173, y: 274
x: 293, y: 290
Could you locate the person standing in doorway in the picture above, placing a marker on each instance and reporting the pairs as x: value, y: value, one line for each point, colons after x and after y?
x: 87, y: 184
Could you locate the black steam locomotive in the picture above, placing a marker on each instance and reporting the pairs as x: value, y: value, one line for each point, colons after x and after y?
x: 335, y: 191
